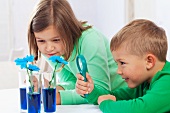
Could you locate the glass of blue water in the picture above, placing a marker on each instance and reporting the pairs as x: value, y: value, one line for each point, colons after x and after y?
x: 49, y: 91
x: 33, y: 90
x: 22, y: 90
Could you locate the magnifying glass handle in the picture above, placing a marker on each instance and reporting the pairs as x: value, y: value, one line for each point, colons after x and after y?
x: 83, y: 69
x: 84, y: 75
x: 85, y: 80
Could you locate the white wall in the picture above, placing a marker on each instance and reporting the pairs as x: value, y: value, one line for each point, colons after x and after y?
x: 145, y: 9
x: 5, y: 29
x: 22, y: 10
x: 163, y: 18
x: 107, y: 15
x: 13, y: 25
x: 157, y: 11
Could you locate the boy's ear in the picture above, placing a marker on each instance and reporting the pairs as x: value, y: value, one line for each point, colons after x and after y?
x: 150, y: 61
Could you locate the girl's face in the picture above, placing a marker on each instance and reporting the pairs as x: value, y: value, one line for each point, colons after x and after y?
x: 49, y: 42
x: 132, y: 68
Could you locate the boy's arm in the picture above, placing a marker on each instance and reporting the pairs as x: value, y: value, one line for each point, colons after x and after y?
x: 120, y: 94
x: 97, y: 91
x: 126, y: 93
x: 94, y: 91
x: 156, y: 100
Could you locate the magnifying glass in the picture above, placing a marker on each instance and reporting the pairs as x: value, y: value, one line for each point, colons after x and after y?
x: 82, y: 67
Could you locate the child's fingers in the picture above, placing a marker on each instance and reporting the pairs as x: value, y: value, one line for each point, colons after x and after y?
x: 82, y: 85
x: 81, y: 89
x: 91, y: 84
x: 80, y: 77
x: 89, y: 79
x: 81, y: 92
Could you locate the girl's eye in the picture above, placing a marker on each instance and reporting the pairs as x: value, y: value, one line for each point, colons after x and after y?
x: 40, y: 41
x: 122, y: 63
x: 56, y: 40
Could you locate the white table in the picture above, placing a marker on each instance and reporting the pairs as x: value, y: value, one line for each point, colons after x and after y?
x: 9, y: 103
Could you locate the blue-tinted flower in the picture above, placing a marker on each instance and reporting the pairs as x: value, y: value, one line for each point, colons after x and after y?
x: 33, y: 67
x: 23, y: 63
x: 58, y: 59
x: 29, y: 58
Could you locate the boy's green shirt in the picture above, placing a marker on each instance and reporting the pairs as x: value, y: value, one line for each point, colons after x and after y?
x: 101, y: 67
x: 146, y: 98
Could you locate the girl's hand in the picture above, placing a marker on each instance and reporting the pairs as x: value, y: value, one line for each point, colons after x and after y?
x: 106, y: 97
x: 84, y: 87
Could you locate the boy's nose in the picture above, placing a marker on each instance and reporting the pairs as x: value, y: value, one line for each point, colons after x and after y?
x: 119, y: 71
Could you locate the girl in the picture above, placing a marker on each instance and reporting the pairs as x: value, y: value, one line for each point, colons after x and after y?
x: 54, y: 30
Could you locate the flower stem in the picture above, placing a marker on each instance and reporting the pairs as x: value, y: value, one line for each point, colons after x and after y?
x: 52, y: 76
x: 30, y: 80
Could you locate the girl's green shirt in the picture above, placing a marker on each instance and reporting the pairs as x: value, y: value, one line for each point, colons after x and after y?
x: 101, y: 67
x: 153, y: 97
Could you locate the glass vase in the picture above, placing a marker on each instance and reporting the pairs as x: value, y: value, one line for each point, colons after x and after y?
x: 49, y: 91
x: 33, y: 82
x: 22, y: 89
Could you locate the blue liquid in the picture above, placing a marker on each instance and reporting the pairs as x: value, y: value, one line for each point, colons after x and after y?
x: 49, y: 99
x: 34, y: 103
x: 23, y: 99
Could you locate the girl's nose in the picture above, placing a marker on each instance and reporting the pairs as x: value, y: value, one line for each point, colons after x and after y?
x: 49, y: 47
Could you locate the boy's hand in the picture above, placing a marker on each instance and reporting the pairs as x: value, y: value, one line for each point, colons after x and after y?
x: 106, y: 97
x: 84, y: 87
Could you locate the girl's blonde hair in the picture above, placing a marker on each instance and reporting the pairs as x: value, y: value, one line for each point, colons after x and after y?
x: 59, y: 14
x: 140, y: 37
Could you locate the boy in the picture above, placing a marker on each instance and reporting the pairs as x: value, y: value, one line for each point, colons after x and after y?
x: 140, y: 50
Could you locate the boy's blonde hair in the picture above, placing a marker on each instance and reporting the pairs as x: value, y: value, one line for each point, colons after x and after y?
x: 140, y: 37
x: 60, y: 14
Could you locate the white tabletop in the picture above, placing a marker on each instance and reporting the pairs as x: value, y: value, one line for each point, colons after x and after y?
x: 9, y: 103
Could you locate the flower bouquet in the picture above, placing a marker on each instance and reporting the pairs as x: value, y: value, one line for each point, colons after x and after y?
x: 33, y: 83
x: 49, y: 85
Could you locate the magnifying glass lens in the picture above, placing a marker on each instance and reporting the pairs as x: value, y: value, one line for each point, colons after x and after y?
x: 80, y: 64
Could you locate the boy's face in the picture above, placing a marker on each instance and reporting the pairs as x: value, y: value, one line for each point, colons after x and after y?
x: 132, y: 68
x: 49, y: 42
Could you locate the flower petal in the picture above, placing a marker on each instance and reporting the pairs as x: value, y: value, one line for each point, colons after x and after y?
x: 33, y: 67
x: 21, y: 62
x: 29, y: 58
x: 58, y: 59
